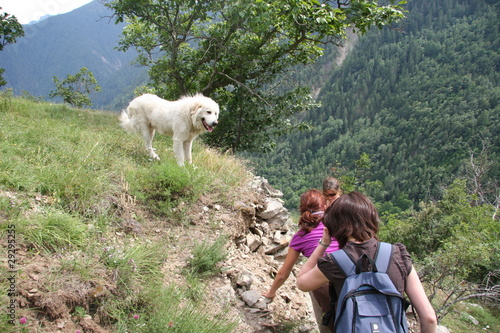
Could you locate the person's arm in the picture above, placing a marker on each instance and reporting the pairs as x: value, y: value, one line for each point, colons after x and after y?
x: 283, y: 273
x: 419, y: 300
x: 310, y: 277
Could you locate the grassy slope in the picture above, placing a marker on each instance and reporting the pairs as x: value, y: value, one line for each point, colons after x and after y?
x: 94, y: 223
x: 103, y: 234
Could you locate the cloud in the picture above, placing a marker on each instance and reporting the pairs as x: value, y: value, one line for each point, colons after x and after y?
x: 28, y: 11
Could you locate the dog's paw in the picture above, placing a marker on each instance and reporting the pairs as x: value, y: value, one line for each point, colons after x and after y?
x: 154, y: 157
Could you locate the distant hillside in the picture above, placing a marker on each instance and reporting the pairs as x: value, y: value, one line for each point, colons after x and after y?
x: 416, y: 100
x: 62, y: 44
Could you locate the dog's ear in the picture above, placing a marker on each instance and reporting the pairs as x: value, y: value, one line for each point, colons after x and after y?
x: 195, y: 107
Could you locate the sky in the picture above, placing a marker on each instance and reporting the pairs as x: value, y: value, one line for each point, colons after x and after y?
x: 27, y: 11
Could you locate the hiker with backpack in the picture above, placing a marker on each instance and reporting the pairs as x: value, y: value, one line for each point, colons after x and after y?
x: 367, y: 278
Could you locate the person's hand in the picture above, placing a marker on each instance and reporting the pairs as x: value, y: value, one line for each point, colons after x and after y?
x: 269, y: 294
x: 326, y: 239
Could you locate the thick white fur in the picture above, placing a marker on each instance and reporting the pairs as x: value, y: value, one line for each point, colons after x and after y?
x: 183, y: 119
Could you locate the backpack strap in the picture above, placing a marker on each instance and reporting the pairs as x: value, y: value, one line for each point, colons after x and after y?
x: 383, y: 257
x: 344, y: 261
x: 346, y: 264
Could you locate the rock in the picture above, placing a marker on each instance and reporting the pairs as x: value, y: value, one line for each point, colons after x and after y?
x: 253, y: 242
x: 277, y: 236
x: 226, y: 218
x: 245, y: 279
x: 275, y: 248
x: 258, y: 231
x: 306, y: 328
x: 240, y: 240
x: 243, y: 248
x: 250, y: 297
x: 131, y: 226
x: 261, y: 304
x: 244, y: 208
x: 279, y: 221
x: 473, y: 320
x: 261, y: 184
x: 271, y: 191
x: 442, y: 329
x: 272, y: 208
x: 265, y: 228
x: 286, y: 297
x: 60, y: 323
x: 225, y: 295
x: 281, y: 255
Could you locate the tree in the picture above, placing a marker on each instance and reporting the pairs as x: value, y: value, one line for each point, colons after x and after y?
x: 75, y: 89
x: 240, y: 52
x: 477, y: 169
x: 454, y: 242
x: 10, y: 30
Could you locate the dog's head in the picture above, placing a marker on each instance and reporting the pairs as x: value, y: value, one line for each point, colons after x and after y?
x: 205, y: 113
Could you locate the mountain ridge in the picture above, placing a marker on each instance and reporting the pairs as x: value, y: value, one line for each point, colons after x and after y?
x: 62, y: 44
x: 414, y: 101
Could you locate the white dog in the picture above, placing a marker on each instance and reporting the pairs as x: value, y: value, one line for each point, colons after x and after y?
x: 183, y: 119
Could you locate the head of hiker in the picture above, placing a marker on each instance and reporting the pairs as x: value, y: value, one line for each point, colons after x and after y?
x: 352, y: 216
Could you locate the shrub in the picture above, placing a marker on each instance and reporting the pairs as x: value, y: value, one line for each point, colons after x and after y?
x: 206, y: 256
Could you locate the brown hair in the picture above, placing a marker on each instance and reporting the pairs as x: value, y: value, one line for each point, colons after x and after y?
x: 331, y: 190
x: 352, y: 215
x: 332, y: 185
x: 312, y: 206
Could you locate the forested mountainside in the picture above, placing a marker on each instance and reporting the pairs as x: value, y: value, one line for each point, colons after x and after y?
x: 62, y: 45
x: 402, y: 114
x: 399, y: 117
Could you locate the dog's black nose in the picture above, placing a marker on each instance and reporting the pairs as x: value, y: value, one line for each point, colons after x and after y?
x: 215, y: 123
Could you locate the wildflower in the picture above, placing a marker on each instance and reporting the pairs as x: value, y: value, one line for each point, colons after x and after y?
x: 78, y: 331
x: 23, y: 320
x: 136, y: 316
x: 170, y: 324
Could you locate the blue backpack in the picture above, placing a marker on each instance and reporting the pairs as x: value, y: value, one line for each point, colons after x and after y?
x: 369, y: 302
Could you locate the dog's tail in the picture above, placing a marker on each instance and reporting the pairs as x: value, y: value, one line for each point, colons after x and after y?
x: 125, y: 121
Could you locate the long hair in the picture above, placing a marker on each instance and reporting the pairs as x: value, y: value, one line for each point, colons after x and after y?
x: 352, y: 215
x: 312, y: 206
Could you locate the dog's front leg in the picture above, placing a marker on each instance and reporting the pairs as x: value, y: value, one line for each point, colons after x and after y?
x: 179, y: 151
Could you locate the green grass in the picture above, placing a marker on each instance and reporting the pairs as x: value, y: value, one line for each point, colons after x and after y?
x: 172, y: 311
x: 64, y: 176
x: 459, y: 319
x: 53, y: 231
x: 59, y: 152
